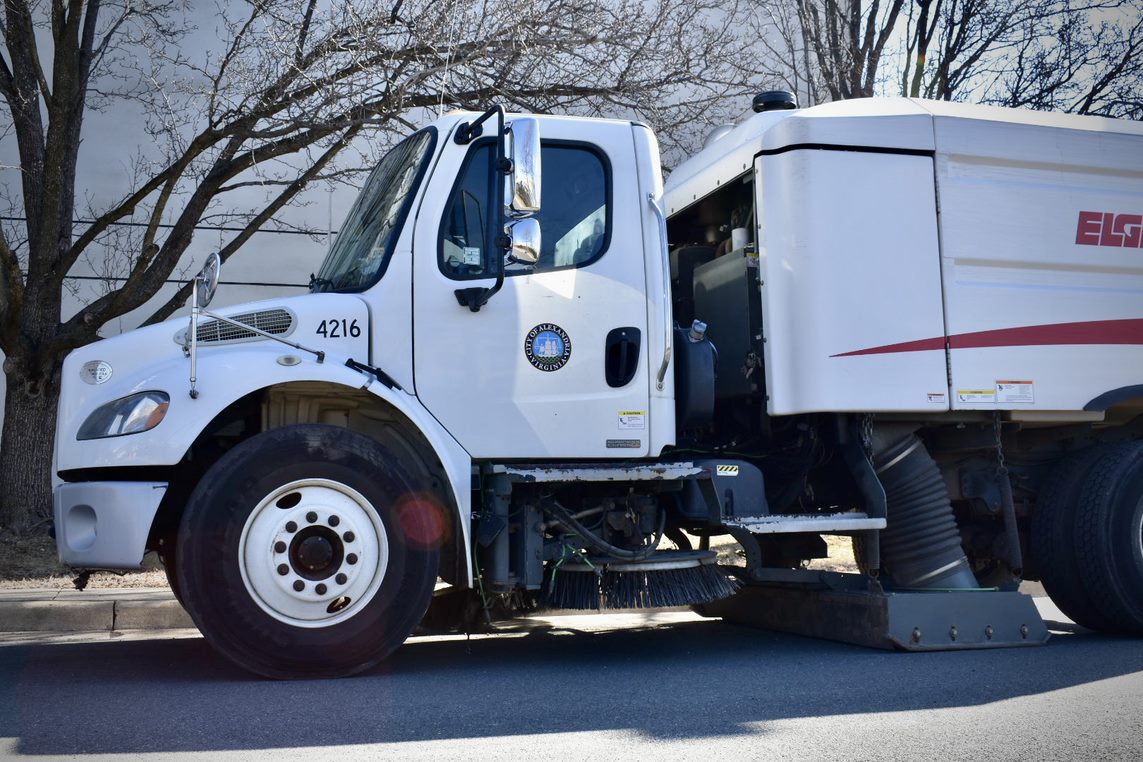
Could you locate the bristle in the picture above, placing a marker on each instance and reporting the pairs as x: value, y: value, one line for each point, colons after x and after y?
x: 616, y: 588
x: 573, y: 589
x: 665, y: 588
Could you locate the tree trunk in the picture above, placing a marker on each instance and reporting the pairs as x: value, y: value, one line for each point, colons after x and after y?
x: 26, y: 450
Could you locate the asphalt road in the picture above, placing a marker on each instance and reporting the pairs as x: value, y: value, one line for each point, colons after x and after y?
x: 595, y: 687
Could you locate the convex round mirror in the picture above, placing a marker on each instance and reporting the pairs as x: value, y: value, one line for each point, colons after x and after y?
x: 525, y: 235
x: 208, y: 280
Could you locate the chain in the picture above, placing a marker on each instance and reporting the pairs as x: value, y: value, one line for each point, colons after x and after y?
x: 867, y: 434
x: 1001, y: 467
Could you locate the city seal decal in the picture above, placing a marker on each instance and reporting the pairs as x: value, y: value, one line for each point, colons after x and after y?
x: 547, y: 347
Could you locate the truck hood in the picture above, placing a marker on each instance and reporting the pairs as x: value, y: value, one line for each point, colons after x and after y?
x: 153, y: 358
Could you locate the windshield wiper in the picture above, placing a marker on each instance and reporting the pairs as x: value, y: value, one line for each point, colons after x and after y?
x: 318, y: 285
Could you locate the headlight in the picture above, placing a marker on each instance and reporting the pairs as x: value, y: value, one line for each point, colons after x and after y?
x: 128, y: 415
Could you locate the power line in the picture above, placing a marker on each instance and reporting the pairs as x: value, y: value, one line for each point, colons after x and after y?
x: 182, y: 282
x: 218, y: 228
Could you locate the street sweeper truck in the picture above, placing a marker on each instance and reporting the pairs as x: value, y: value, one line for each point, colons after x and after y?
x: 915, y: 324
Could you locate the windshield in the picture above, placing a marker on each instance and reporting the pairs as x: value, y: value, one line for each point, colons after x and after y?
x: 365, y: 242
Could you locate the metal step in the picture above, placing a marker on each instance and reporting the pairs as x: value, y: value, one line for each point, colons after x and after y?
x: 812, y: 522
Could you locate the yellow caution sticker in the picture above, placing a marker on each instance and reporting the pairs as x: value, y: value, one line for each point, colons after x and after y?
x: 630, y: 420
x: 727, y: 470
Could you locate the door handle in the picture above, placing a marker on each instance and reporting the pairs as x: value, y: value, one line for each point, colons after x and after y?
x: 621, y: 356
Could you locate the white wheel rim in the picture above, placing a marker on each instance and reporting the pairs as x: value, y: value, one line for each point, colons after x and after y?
x: 313, y: 553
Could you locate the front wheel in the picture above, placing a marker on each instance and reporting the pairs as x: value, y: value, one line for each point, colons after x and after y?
x: 307, y: 551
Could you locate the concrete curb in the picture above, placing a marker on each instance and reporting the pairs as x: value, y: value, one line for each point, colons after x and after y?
x: 90, y: 611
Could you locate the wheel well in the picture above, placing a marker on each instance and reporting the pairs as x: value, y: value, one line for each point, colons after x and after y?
x: 314, y: 402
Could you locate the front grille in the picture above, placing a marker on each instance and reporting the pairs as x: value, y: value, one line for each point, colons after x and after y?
x: 277, y: 322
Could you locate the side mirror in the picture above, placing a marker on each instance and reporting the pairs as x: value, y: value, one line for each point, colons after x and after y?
x: 525, y: 237
x: 525, y: 155
x: 207, y: 280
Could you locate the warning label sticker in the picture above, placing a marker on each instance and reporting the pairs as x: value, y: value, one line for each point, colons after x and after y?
x: 632, y: 419
x: 727, y: 470
x: 976, y: 395
x: 1015, y: 391
x: 937, y: 398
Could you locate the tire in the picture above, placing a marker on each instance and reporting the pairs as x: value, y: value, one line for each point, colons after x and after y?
x: 1053, y: 539
x: 307, y: 551
x: 166, y: 554
x: 1109, y: 536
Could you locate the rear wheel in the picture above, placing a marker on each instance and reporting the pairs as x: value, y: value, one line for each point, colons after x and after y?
x: 1053, y: 539
x: 1109, y: 536
x: 307, y: 551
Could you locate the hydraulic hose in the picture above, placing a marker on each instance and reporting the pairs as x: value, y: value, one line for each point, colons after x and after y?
x: 561, y: 516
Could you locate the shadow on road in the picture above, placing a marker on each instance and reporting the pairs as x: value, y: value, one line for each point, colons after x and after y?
x: 682, y: 680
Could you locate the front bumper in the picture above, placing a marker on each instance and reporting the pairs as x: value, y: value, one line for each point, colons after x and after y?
x: 104, y: 525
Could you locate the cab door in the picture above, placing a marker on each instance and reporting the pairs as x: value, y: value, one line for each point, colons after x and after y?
x: 555, y: 365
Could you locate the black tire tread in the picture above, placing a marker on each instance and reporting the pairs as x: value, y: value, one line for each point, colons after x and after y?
x: 1101, y: 558
x: 1052, y: 539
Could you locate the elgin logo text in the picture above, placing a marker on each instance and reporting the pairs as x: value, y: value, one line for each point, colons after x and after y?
x: 1110, y: 229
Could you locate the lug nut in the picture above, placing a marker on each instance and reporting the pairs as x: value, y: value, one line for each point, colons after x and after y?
x: 279, y: 547
x: 334, y: 521
x: 349, y: 537
x: 311, y: 517
x: 299, y: 585
x: 291, y: 527
x: 341, y: 579
x: 320, y: 589
x: 283, y: 569
x: 351, y: 558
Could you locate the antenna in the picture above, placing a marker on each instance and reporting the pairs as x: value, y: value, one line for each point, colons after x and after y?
x: 448, y: 56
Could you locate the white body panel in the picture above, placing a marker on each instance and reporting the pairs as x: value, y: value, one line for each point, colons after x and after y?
x: 849, y: 258
x: 864, y: 311
x: 471, y: 368
x: 1010, y: 197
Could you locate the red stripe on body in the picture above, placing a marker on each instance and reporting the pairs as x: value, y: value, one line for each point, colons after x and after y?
x: 1129, y: 331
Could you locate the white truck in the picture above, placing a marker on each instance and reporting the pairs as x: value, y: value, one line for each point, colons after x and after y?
x: 915, y: 323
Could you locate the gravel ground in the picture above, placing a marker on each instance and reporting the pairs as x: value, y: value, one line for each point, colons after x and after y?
x: 30, y: 562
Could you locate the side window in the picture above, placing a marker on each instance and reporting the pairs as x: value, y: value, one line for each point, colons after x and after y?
x: 575, y: 219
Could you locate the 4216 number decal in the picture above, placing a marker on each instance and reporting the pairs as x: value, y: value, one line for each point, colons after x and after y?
x: 339, y: 328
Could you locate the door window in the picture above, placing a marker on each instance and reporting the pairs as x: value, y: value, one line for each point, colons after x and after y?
x: 575, y: 219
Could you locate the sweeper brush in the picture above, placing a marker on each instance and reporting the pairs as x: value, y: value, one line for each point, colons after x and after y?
x: 665, y: 578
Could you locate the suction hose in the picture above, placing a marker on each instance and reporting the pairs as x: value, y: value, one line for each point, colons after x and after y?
x: 920, y: 546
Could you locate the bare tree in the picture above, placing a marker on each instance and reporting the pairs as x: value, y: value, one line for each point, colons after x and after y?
x: 272, y: 103
x: 1086, y: 60
x: 847, y: 39
x: 1084, y: 57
